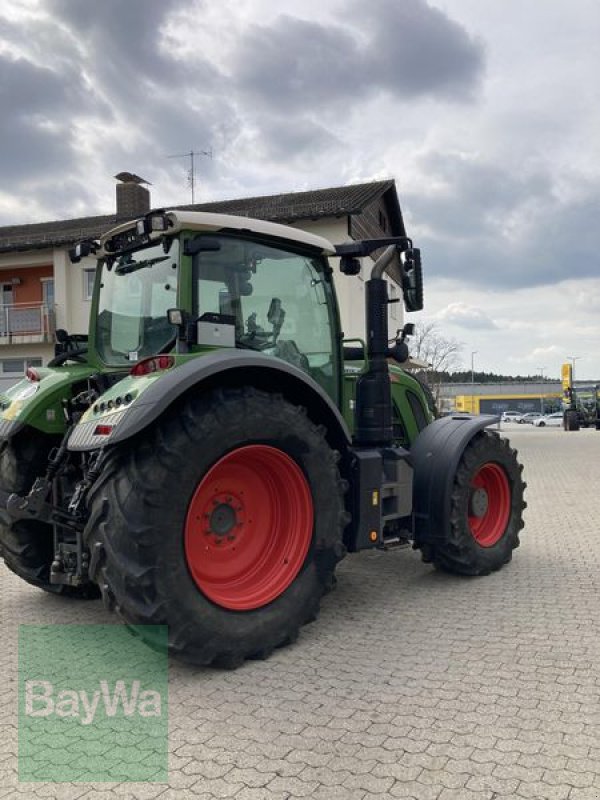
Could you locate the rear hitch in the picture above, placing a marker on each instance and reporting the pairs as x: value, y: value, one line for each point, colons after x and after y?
x: 71, y: 563
x: 71, y: 558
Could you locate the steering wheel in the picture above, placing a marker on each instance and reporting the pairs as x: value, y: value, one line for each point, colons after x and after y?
x: 253, y: 342
x: 287, y: 350
x: 74, y: 355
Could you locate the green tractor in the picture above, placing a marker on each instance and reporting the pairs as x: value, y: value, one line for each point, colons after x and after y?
x: 210, y: 452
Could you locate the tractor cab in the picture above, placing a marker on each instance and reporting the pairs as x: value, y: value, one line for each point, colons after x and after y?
x: 185, y: 284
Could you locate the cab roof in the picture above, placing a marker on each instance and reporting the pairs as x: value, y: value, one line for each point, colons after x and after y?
x: 207, y: 221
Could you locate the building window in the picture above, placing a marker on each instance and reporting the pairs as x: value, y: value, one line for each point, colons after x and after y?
x: 13, y: 365
x: 48, y: 292
x: 382, y: 221
x: 393, y: 296
x: 88, y: 283
x: 17, y: 366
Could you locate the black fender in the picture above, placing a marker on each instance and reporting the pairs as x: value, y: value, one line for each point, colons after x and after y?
x: 220, y: 369
x: 434, y: 456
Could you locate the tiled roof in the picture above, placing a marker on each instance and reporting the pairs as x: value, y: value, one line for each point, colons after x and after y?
x: 336, y: 202
x: 290, y: 207
x: 53, y: 234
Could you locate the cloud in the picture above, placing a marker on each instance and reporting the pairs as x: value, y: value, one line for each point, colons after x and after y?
x: 406, y: 49
x: 466, y: 316
x: 416, y: 49
x: 97, y: 88
x: 587, y: 299
x: 295, y: 63
x: 504, y: 225
x: 35, y: 130
x: 539, y: 353
x: 123, y: 38
x: 93, y: 92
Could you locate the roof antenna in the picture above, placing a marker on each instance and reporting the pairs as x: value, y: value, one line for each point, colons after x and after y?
x: 191, y: 173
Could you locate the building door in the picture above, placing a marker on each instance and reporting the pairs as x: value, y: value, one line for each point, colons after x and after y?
x: 48, y: 293
x: 6, y: 301
x: 48, y: 307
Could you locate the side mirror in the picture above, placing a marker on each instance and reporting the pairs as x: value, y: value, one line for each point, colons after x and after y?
x: 412, y: 280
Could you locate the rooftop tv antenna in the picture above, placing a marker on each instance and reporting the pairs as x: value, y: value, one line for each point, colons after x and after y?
x: 191, y: 173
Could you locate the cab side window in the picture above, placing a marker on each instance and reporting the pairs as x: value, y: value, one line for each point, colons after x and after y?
x: 278, y: 301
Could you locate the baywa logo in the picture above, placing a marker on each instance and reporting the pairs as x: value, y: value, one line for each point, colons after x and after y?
x: 41, y: 700
x: 93, y: 704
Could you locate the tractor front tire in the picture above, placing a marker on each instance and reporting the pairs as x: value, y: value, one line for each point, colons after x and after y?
x: 486, y: 509
x: 27, y: 546
x: 223, y: 521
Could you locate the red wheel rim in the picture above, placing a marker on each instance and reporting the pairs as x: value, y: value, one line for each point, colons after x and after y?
x: 248, y: 527
x: 489, y: 504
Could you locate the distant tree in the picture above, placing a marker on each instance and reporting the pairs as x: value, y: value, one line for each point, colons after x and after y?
x: 464, y: 376
x: 442, y: 354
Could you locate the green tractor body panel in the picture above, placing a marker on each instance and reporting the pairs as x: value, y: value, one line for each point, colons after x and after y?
x: 409, y: 407
x: 137, y: 401
x: 39, y: 404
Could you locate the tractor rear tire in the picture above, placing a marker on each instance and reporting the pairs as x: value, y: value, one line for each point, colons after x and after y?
x: 27, y: 546
x: 224, y: 521
x: 485, y: 512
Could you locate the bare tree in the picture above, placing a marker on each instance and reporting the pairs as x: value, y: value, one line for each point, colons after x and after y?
x: 440, y: 353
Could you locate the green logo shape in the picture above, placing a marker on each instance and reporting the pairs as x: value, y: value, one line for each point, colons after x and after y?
x: 93, y: 704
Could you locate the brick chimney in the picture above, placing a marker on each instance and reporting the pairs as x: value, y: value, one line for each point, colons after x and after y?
x: 133, y: 199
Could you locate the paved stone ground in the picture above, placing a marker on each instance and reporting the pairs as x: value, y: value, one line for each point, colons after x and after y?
x: 412, y: 684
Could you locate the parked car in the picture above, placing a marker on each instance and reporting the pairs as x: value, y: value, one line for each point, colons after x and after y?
x: 529, y: 418
x: 510, y: 416
x: 555, y: 420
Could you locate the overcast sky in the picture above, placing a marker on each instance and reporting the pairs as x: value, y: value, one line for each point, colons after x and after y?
x: 486, y: 112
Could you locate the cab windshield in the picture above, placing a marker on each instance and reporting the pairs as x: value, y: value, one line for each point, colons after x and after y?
x: 136, y: 290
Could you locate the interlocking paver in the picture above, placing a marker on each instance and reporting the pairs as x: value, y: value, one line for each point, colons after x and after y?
x: 370, y: 783
x: 443, y: 779
x: 579, y: 780
x: 545, y: 790
x: 414, y: 684
x: 418, y: 791
x: 465, y: 794
x: 294, y: 786
x: 584, y: 794
x: 399, y: 772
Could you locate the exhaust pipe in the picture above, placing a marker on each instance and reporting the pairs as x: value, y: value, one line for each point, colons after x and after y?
x: 373, y: 412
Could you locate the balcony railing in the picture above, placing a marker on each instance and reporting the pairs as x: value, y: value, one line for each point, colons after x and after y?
x: 27, y: 322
